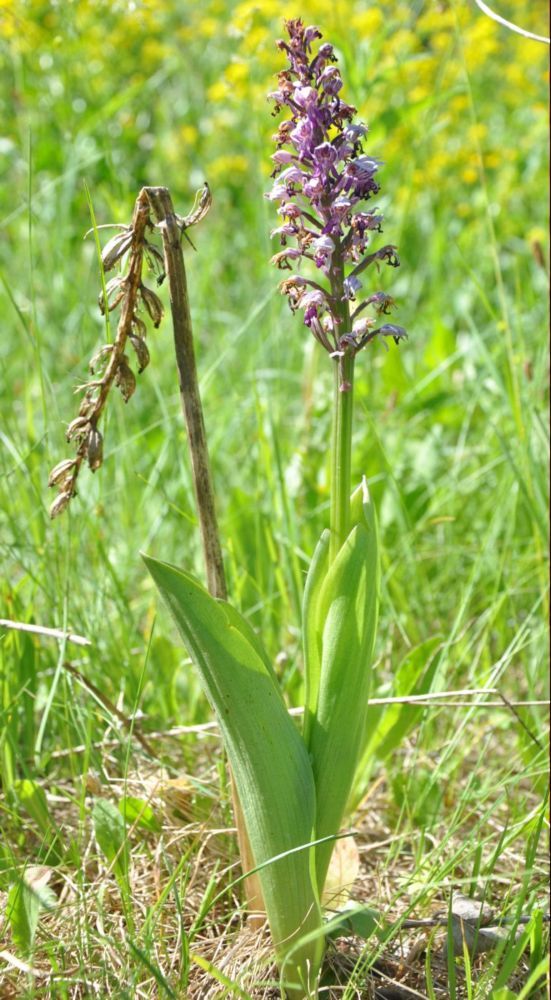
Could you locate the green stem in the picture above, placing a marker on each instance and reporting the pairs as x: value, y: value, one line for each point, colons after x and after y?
x: 341, y: 449
x: 341, y: 446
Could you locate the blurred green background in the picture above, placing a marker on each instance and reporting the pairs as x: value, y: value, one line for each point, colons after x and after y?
x: 450, y: 428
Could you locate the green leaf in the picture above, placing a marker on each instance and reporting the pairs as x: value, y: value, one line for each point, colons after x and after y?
x: 311, y: 635
x: 347, y: 615
x: 138, y: 812
x: 22, y: 914
x: 250, y: 636
x: 414, y: 676
x: 387, y: 725
x: 26, y: 899
x: 269, y: 760
x: 110, y: 831
x: 32, y: 798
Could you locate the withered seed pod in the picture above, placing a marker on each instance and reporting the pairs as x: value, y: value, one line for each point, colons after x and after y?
x: 94, y: 448
x: 116, y: 248
x: 142, y: 352
x: 125, y: 379
x: 76, y: 428
x: 153, y: 304
x: 60, y: 503
x: 114, y: 291
x: 139, y: 327
x: 61, y: 472
x: 100, y: 357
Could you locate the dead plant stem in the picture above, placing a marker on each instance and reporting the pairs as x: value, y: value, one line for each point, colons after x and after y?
x: 171, y: 231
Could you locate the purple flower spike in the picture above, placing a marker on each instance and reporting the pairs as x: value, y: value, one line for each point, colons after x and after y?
x: 322, y: 178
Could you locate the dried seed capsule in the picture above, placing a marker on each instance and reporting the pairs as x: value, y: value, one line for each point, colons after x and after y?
x: 61, y: 472
x: 90, y: 400
x: 116, y: 248
x: 60, y: 503
x: 139, y: 327
x: 114, y: 291
x: 76, y: 428
x: 125, y: 379
x: 155, y: 258
x: 153, y: 304
x: 142, y: 352
x: 100, y: 357
x: 94, y: 448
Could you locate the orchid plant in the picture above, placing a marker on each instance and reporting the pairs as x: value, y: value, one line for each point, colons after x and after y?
x: 292, y: 783
x: 293, y: 786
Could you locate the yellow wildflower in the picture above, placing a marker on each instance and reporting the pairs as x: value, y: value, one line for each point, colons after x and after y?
x: 367, y: 22
x: 237, y: 73
x: 218, y: 91
x: 469, y: 175
x: 189, y: 135
x: 224, y: 168
x: 207, y: 27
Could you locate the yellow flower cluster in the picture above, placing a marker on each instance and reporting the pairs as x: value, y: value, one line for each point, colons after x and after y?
x: 432, y: 86
x: 452, y: 99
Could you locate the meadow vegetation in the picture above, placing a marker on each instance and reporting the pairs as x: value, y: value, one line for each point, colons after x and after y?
x: 115, y: 807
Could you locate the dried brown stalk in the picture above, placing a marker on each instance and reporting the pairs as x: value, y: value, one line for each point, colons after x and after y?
x: 170, y: 226
x: 130, y: 293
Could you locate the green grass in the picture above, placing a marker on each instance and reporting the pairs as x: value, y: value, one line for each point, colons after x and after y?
x: 450, y: 430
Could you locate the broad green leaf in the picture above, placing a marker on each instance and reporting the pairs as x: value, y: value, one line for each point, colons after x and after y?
x: 250, y: 636
x: 26, y: 899
x: 22, y: 913
x: 347, y: 612
x: 269, y: 760
x: 110, y: 832
x: 138, y: 812
x: 311, y: 635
